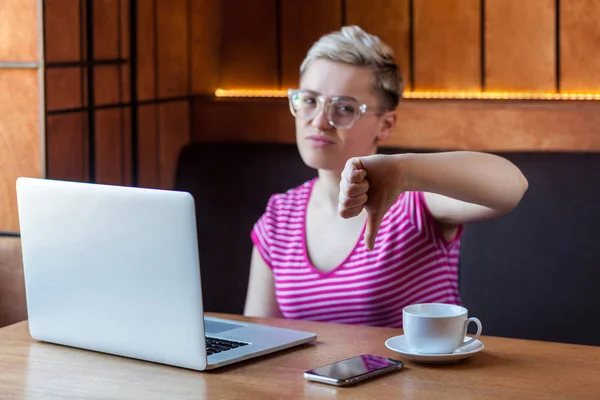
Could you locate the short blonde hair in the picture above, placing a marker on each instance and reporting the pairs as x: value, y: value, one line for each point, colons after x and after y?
x: 352, y: 45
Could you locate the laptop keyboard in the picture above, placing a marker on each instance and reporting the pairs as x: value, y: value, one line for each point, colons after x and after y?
x: 214, y: 345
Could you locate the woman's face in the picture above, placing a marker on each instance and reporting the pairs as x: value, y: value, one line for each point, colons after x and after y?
x: 323, y: 146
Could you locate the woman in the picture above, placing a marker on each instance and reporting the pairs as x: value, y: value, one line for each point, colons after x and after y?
x: 373, y: 233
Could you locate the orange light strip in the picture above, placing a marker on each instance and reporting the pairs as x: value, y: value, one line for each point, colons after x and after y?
x: 250, y: 93
x: 431, y: 95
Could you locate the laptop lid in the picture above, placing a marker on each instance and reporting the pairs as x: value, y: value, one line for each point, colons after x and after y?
x: 113, y: 269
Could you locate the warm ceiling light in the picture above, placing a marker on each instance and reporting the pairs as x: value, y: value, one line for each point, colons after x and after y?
x: 431, y: 95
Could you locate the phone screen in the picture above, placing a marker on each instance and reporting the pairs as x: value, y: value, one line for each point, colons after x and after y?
x: 353, y: 367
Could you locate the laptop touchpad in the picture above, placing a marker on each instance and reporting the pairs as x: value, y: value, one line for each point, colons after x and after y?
x: 212, y: 326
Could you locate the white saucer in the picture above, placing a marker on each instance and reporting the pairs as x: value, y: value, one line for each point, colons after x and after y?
x: 400, y: 345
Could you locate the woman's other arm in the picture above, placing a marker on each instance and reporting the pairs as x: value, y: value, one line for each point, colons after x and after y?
x: 260, y: 299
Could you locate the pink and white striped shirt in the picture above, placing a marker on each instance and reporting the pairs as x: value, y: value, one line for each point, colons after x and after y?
x: 410, y: 263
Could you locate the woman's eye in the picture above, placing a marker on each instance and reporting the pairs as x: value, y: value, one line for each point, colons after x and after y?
x: 346, y: 109
x: 310, y: 100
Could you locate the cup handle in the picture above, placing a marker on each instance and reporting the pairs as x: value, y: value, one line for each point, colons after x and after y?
x: 474, y: 338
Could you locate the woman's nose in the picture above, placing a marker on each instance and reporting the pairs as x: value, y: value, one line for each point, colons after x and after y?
x: 320, y: 120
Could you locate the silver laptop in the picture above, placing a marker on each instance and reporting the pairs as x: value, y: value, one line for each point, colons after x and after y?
x: 116, y: 270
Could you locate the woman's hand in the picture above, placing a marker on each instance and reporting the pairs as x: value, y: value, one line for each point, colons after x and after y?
x: 459, y: 187
x: 372, y: 183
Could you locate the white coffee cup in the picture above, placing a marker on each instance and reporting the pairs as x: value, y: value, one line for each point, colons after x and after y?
x: 437, y: 328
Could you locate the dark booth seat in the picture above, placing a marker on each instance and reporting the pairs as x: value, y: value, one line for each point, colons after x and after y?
x: 533, y: 274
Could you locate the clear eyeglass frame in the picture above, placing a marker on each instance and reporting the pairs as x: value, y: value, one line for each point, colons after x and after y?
x: 336, y: 121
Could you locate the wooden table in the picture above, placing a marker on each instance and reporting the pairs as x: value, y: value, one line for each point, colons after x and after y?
x: 506, y: 369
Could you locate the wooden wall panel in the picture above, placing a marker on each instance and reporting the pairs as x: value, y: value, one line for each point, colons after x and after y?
x: 168, y: 34
x: 126, y: 142
x: 580, y: 46
x: 172, y: 47
x: 148, y: 166
x: 66, y: 147
x: 498, y: 127
x: 520, y: 45
x: 206, y: 27
x: 394, y: 29
x: 302, y: 23
x: 106, y: 29
x: 146, y: 50
x: 107, y: 84
x: 249, y: 45
x: 63, y: 88
x: 83, y: 21
x: 19, y: 138
x: 174, y: 133
x: 18, y: 30
x: 62, y: 30
x: 20, y: 111
x: 124, y: 49
x: 110, y: 141
x: 264, y: 120
x: 447, y: 46
x: 13, y: 305
x: 487, y: 126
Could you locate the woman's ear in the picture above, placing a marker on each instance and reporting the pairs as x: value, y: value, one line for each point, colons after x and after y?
x: 387, y: 124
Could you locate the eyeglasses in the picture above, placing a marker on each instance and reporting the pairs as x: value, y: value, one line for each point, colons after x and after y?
x: 342, y: 112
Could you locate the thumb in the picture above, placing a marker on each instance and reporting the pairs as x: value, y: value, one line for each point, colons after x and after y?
x: 356, y: 163
x: 373, y: 224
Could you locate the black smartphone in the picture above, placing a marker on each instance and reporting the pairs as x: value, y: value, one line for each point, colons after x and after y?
x: 353, y: 370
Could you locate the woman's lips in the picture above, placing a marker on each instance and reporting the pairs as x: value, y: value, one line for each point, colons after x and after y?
x: 320, y: 141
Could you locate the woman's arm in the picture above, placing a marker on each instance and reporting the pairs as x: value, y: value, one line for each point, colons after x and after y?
x: 463, y: 186
x: 260, y: 299
x: 459, y: 186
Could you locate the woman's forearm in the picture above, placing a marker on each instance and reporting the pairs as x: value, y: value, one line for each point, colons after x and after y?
x: 478, y: 178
